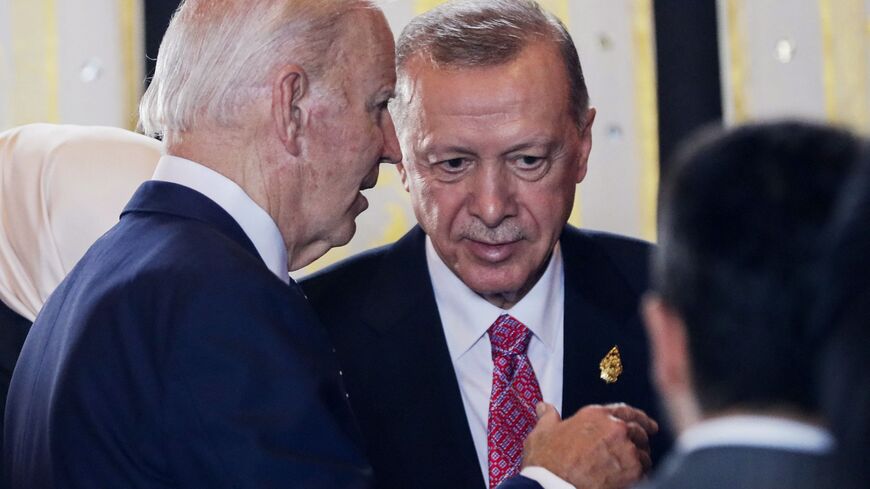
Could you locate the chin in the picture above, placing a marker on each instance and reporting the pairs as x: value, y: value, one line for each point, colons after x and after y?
x: 343, y: 234
x: 486, y: 281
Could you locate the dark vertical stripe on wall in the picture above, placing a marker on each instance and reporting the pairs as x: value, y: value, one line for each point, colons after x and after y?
x: 687, y: 66
x: 157, y: 15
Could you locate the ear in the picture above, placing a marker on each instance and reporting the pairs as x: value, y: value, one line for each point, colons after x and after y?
x: 585, y: 144
x: 288, y: 117
x: 403, y: 174
x: 668, y: 346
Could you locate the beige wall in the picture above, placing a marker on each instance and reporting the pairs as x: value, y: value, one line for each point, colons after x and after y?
x: 808, y: 58
x: 72, y: 61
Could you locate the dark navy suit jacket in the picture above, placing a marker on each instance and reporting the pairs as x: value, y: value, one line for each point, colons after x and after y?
x: 172, y: 357
x: 13, y: 331
x: 382, y: 316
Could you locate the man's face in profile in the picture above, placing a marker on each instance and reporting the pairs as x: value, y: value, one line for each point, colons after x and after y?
x: 492, y: 157
x: 351, y: 129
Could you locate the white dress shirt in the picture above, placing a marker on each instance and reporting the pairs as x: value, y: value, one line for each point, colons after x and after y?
x: 756, y: 431
x: 466, y: 317
x: 256, y: 223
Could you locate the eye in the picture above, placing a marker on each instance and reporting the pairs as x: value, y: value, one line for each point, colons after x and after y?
x: 451, y: 170
x: 530, y: 167
x: 381, y: 107
x: 454, y: 164
x: 529, y: 161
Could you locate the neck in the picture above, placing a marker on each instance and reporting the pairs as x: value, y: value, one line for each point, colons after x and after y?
x: 236, y: 156
x: 225, y: 153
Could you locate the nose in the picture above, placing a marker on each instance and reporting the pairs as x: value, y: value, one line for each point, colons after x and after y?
x: 492, y: 194
x: 391, y: 153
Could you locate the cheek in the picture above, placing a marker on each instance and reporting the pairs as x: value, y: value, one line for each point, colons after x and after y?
x: 549, y: 203
x: 438, y: 207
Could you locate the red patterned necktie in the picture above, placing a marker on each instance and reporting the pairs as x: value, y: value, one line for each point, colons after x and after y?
x: 515, y: 392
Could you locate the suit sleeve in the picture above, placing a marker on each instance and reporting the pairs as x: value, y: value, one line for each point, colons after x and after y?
x: 519, y: 482
x: 253, y: 398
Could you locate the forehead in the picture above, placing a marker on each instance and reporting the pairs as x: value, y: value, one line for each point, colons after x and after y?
x: 367, y: 44
x: 529, y: 91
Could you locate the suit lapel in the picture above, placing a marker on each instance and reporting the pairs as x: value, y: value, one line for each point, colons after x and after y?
x: 596, y: 307
x: 403, y: 311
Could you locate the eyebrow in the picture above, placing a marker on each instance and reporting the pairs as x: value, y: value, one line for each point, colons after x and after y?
x: 435, y: 148
x: 546, y: 143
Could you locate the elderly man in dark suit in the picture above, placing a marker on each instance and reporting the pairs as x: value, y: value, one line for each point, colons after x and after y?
x: 450, y: 336
x: 742, y: 217
x: 178, y: 352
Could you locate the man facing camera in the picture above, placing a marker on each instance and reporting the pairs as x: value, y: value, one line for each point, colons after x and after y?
x: 742, y: 216
x: 178, y: 353
x: 449, y: 337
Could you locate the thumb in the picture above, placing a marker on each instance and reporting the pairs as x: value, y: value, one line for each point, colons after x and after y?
x: 547, y: 414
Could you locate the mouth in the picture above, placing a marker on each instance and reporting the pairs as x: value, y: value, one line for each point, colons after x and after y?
x: 370, y: 180
x: 492, y: 252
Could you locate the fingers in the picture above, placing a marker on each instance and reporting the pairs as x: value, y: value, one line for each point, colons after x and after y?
x: 547, y: 413
x: 632, y: 461
x: 631, y: 447
x: 645, y: 460
x: 633, y: 415
x: 637, y: 435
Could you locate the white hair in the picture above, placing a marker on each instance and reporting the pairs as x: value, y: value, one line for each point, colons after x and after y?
x: 218, y: 55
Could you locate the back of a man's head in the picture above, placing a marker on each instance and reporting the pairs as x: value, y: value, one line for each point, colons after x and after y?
x: 741, y: 216
x: 467, y: 34
x: 218, y: 55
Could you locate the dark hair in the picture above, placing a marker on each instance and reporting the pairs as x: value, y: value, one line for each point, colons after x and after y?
x: 740, y: 219
x: 472, y: 33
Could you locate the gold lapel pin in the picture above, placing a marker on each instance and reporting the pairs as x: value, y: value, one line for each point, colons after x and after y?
x: 611, y: 366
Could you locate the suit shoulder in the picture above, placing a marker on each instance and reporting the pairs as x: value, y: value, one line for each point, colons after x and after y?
x: 629, y: 256
x: 348, y: 277
x: 622, y: 247
x: 168, y: 256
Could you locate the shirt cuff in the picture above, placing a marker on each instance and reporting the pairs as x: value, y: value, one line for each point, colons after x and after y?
x: 545, y: 478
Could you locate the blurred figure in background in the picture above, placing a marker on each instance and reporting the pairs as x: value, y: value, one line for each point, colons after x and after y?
x: 842, y: 324
x: 741, y: 218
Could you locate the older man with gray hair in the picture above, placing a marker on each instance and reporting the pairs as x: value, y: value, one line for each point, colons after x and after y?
x: 493, y: 304
x: 178, y: 352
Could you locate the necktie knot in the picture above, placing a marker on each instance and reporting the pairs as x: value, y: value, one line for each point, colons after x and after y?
x: 509, y: 336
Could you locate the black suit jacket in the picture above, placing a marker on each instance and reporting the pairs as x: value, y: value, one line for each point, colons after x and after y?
x: 172, y: 357
x: 382, y: 316
x: 741, y: 467
x: 13, y: 331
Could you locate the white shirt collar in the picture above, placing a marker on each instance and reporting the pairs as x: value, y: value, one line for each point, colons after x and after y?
x: 540, y: 310
x: 257, y: 224
x: 756, y: 431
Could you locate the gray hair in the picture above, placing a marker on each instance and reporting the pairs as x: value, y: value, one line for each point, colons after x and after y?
x: 475, y: 33
x: 218, y: 55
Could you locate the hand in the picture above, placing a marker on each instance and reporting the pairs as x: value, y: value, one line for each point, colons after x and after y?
x: 600, y: 447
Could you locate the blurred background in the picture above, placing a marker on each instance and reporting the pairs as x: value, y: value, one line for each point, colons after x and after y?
x: 656, y: 70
